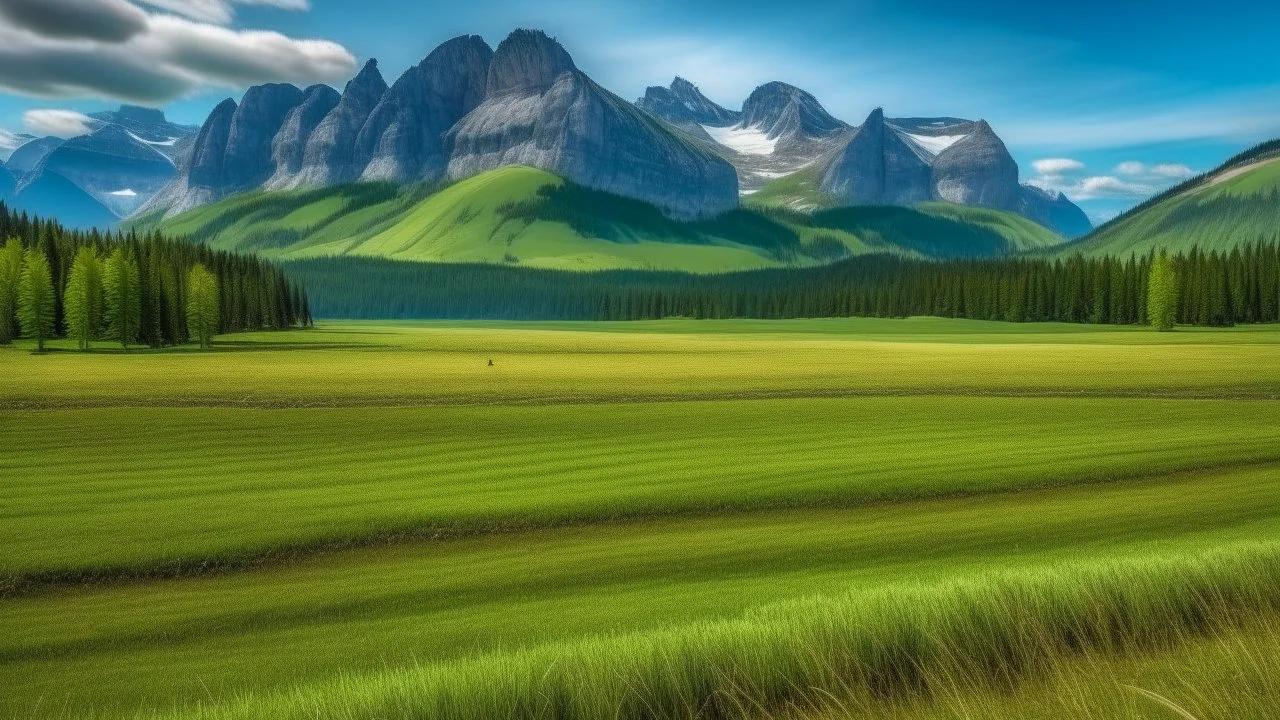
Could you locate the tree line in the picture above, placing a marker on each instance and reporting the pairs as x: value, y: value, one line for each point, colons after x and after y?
x: 1197, y: 288
x: 133, y: 289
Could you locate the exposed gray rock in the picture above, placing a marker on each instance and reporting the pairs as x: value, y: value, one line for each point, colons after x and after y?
x: 1054, y: 211
x: 878, y: 167
x: 542, y: 112
x: 290, y: 143
x: 683, y: 104
x: 330, y: 155
x: 403, y: 138
x: 787, y: 112
x: 262, y: 112
x: 977, y: 170
x: 200, y: 171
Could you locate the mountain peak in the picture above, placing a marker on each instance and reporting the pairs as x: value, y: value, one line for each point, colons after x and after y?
x: 142, y: 114
x: 684, y: 103
x: 369, y: 79
x: 527, y: 61
x: 782, y: 110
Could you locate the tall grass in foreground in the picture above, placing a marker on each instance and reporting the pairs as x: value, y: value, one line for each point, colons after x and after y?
x: 985, y: 633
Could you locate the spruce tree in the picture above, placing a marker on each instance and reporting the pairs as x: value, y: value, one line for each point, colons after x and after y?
x: 36, y: 298
x: 82, y: 299
x: 10, y: 274
x: 1162, y: 294
x: 122, y: 288
x: 202, y: 305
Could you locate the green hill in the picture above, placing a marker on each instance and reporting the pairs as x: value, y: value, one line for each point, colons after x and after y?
x: 527, y: 217
x: 1237, y: 203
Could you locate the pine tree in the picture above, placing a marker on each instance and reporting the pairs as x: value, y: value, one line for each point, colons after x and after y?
x: 82, y: 299
x: 202, y: 305
x: 1162, y: 294
x: 37, y: 308
x: 122, y: 288
x: 10, y: 274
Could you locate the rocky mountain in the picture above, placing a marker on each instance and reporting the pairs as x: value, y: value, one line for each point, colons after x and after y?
x: 98, y: 178
x: 151, y: 127
x: 786, y: 113
x: 7, y: 184
x: 683, y: 104
x: 463, y: 110
x: 403, y: 139
x: 541, y: 111
x: 290, y: 142
x: 1054, y: 211
x: 878, y: 166
x: 111, y: 165
x: 466, y: 109
x: 783, y: 130
x: 330, y: 153
x: 28, y: 156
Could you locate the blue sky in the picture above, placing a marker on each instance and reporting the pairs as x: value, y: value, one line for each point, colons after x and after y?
x: 1108, y: 101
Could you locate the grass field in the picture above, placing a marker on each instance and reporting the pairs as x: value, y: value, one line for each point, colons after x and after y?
x: 819, y: 519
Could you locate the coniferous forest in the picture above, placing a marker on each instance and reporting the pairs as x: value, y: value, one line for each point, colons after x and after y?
x: 1212, y: 288
x: 141, y: 283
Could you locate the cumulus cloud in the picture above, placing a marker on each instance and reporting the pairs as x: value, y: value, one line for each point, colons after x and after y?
x: 170, y: 57
x: 1132, y: 180
x: 61, y: 123
x: 1057, y: 166
x: 220, y: 11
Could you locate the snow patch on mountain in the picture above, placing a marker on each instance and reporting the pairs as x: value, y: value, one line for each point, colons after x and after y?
x: 744, y: 140
x: 935, y: 144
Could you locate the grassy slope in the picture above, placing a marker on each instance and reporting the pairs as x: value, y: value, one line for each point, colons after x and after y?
x: 180, y: 478
x: 907, y: 228
x: 528, y: 217
x: 1218, y: 215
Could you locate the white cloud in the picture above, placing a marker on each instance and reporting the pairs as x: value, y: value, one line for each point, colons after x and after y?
x: 1095, y: 187
x: 168, y: 58
x: 1057, y: 166
x: 60, y: 123
x: 1171, y: 171
x: 10, y: 141
x: 220, y: 11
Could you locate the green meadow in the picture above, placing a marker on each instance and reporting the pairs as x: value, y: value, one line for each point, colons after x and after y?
x: 816, y: 519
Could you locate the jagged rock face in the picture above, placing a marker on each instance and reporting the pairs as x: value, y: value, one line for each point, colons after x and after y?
x: 112, y: 166
x: 210, y: 150
x: 527, y: 62
x: 878, y: 167
x: 403, y: 138
x: 684, y: 104
x: 577, y: 129
x: 289, y: 144
x: 262, y: 112
x: 1054, y: 211
x: 977, y: 170
x: 783, y: 110
x: 330, y: 155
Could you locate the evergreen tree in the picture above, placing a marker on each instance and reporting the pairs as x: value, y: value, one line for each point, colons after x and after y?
x: 202, y: 305
x: 123, y: 291
x: 82, y: 299
x: 10, y: 274
x: 1162, y: 294
x: 36, y: 298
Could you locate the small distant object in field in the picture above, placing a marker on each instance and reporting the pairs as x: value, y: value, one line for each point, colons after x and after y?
x: 490, y: 362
